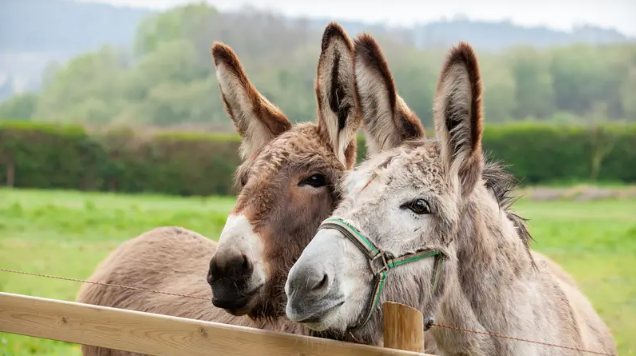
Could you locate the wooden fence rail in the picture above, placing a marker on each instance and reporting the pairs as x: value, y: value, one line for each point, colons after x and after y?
x: 155, y: 334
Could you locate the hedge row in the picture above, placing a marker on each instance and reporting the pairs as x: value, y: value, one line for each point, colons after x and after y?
x: 555, y: 153
x: 68, y: 157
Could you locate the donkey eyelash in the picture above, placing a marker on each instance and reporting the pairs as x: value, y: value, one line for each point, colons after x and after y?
x: 243, y: 179
x: 418, y: 206
x: 315, y: 180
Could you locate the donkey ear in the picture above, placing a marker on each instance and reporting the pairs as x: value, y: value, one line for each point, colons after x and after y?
x: 256, y: 119
x: 458, y: 116
x: 388, y: 122
x: 338, y: 111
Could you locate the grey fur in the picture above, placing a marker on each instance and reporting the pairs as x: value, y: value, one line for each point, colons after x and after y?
x: 490, y: 280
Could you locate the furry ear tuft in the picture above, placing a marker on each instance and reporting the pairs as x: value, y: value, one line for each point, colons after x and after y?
x: 387, y: 119
x: 458, y: 116
x: 338, y: 111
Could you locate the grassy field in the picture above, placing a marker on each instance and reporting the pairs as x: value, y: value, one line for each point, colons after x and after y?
x: 68, y: 233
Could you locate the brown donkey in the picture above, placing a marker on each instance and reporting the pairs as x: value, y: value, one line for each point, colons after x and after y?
x: 287, y: 187
x: 428, y: 223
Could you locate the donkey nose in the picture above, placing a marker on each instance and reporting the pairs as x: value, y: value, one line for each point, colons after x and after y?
x: 313, y: 283
x: 308, y: 288
x: 235, y: 266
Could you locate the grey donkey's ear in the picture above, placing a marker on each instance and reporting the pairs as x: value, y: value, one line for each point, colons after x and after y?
x: 338, y: 111
x: 388, y: 121
x: 256, y: 119
x: 458, y: 116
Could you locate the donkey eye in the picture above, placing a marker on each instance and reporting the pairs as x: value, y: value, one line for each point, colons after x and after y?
x: 418, y: 206
x: 315, y: 180
x: 244, y: 180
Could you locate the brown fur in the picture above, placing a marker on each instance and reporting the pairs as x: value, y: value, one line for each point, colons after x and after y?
x: 277, y: 156
x: 268, y: 114
x: 170, y: 259
x: 273, y: 198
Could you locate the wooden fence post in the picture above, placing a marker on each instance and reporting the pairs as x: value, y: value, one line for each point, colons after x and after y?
x: 403, y: 327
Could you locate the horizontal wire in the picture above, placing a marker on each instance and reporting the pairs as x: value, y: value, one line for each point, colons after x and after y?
x: 102, y: 284
x: 520, y: 339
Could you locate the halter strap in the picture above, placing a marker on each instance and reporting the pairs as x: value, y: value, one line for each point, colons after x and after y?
x: 380, y: 262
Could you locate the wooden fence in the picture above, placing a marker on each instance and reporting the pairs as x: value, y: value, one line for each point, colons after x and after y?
x: 155, y: 334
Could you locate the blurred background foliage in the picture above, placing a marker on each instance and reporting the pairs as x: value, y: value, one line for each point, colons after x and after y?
x: 166, y: 77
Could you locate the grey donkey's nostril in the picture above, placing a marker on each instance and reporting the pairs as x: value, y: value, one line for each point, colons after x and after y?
x: 321, y: 284
x: 308, y: 291
x: 310, y: 283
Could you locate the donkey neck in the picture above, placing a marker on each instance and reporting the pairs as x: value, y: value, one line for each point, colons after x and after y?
x: 489, y: 250
x: 480, y: 285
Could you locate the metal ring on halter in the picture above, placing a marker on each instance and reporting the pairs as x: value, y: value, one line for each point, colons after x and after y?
x: 428, y: 322
x: 383, y: 267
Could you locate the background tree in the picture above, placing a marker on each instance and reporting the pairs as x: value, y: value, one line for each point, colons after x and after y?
x: 19, y: 107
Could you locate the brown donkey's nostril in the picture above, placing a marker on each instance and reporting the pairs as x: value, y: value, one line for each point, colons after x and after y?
x: 247, y: 265
x: 212, y: 270
x: 240, y: 266
x: 230, y: 266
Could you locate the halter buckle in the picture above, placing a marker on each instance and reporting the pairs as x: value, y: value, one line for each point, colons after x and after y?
x: 384, y: 265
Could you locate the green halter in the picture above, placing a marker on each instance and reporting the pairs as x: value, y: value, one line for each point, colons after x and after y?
x: 380, y: 262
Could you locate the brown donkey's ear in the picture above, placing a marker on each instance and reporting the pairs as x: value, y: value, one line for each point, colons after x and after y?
x: 458, y: 116
x: 256, y: 119
x: 338, y: 111
x: 388, y: 122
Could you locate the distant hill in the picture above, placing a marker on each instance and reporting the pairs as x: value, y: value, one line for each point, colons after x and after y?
x: 497, y: 35
x: 36, y: 32
x: 69, y: 27
x: 63, y: 26
x: 484, y: 35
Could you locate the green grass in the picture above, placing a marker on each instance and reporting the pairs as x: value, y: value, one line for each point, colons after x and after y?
x: 596, y: 243
x: 68, y: 233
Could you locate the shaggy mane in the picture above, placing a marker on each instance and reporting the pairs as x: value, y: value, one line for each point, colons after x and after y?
x: 502, y: 184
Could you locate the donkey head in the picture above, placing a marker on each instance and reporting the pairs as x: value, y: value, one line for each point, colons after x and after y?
x: 404, y: 201
x: 287, y: 179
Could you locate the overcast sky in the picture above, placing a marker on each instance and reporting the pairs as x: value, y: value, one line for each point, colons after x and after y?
x: 557, y: 14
